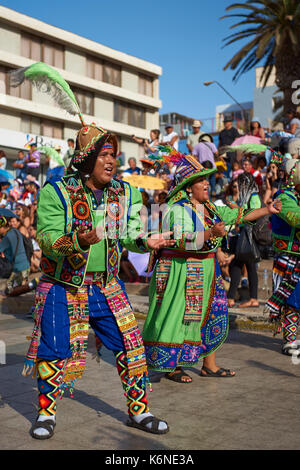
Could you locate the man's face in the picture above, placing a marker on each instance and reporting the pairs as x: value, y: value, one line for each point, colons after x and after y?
x: 196, y: 130
x: 228, y: 125
x: 21, y: 155
x: 132, y: 164
x: 169, y: 130
x: 71, y: 143
x: 105, y: 166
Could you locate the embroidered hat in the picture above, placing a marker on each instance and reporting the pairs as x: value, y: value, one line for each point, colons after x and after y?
x: 89, y: 138
x: 188, y: 168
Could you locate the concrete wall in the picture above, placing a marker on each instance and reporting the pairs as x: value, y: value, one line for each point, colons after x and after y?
x: 263, y: 105
x: 130, y: 80
x: 10, y: 120
x: 75, y: 62
x: 104, y: 108
x: 10, y: 39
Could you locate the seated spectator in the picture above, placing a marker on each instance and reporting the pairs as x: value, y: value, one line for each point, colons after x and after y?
x: 37, y: 252
x: 248, y: 168
x: 236, y: 170
x: 12, y: 246
x: 20, y: 166
x: 16, y: 223
x: 133, y: 169
x: 256, y: 130
x: 23, y: 213
x: 4, y: 185
x: 17, y: 189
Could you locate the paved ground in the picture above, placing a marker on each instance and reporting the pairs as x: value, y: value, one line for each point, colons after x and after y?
x: 258, y: 409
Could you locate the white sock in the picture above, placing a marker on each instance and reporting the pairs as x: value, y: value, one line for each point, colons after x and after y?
x: 41, y: 431
x: 138, y: 418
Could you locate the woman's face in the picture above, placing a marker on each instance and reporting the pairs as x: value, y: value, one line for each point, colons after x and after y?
x: 200, y: 189
x: 14, y: 222
x: 105, y: 166
x: 235, y: 188
x: 19, y: 211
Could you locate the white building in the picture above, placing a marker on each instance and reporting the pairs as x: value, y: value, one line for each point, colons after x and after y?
x: 115, y: 90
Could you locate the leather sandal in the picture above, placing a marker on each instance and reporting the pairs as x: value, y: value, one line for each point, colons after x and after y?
x: 178, y: 376
x: 48, y: 425
x: 218, y: 373
x: 143, y: 425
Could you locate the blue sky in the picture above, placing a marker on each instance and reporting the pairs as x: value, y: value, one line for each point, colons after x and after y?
x: 184, y: 37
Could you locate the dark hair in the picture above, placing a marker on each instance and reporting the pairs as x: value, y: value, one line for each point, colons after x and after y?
x: 156, y: 132
x: 252, y: 127
x: 71, y: 140
x: 207, y: 164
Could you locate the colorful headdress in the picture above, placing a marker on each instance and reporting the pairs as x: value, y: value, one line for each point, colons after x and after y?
x: 3, y: 222
x: 48, y: 80
x: 188, y: 168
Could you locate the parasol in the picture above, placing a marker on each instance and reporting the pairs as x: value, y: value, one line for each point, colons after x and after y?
x: 145, y: 182
x: 247, y: 139
x: 7, y: 213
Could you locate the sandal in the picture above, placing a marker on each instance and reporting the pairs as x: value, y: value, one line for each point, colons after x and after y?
x: 290, y: 351
x: 143, y: 425
x: 48, y: 425
x: 218, y: 373
x: 177, y: 377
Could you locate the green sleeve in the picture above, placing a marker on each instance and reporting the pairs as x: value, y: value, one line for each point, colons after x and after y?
x: 51, y: 234
x: 134, y: 238
x: 177, y: 220
x: 231, y: 216
x: 290, y: 211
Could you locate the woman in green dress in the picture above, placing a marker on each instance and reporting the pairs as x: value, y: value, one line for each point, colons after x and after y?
x: 188, y: 317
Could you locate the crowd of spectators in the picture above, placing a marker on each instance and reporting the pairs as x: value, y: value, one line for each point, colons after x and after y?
x: 233, y: 172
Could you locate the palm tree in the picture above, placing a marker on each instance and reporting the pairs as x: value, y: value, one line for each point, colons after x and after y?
x: 273, y: 27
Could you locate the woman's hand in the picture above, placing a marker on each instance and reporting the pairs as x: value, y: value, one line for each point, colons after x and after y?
x: 160, y: 240
x: 275, y: 207
x: 218, y: 230
x: 85, y: 239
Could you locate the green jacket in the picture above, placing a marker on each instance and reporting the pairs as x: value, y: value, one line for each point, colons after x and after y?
x: 66, y: 206
x: 286, y: 225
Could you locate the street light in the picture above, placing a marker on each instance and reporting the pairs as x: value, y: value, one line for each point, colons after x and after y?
x: 240, y: 106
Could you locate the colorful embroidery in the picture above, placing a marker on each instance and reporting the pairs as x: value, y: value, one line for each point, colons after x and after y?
x: 162, y: 276
x: 49, y: 380
x: 194, y: 291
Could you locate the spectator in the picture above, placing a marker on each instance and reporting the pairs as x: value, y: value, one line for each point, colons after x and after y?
x: 150, y: 146
x: 236, y: 170
x: 226, y: 138
x: 273, y: 182
x: 3, y: 160
x: 4, y: 186
x: 32, y: 160
x: 193, y: 138
x: 69, y: 153
x: 293, y: 126
x: 133, y: 169
x: 12, y: 246
x: 37, y: 252
x: 170, y: 138
x: 20, y: 166
x: 248, y: 168
x: 18, y: 224
x: 256, y: 130
x: 23, y: 214
x: 147, y: 167
x: 56, y: 167
x: 248, y: 198
x: 207, y: 152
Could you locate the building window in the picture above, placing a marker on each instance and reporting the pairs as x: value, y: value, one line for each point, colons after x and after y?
x: 146, y: 85
x: 38, y: 126
x: 129, y: 114
x: 43, y: 50
x: 103, y: 71
x: 23, y: 91
x: 85, y: 100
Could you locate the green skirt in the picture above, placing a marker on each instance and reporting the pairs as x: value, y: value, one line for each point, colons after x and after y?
x: 169, y: 340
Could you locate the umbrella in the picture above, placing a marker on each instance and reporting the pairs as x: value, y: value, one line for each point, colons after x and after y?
x: 7, y: 213
x: 5, y: 175
x: 145, y: 182
x: 247, y: 139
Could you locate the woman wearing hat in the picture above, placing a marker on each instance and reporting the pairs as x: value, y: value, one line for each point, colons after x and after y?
x: 284, y: 304
x: 188, y: 318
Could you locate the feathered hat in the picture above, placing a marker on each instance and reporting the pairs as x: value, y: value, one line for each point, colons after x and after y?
x: 188, y: 168
x: 48, y: 80
x: 292, y: 168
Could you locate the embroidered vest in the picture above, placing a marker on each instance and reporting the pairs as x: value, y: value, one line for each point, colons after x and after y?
x: 286, y: 238
x: 65, y: 261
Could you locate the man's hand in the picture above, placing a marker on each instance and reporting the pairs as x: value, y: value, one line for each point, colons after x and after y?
x: 223, y: 258
x: 85, y: 239
x: 160, y: 240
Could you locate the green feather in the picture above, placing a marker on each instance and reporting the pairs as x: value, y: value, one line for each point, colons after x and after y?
x: 247, y: 148
x: 52, y: 153
x: 47, y: 80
